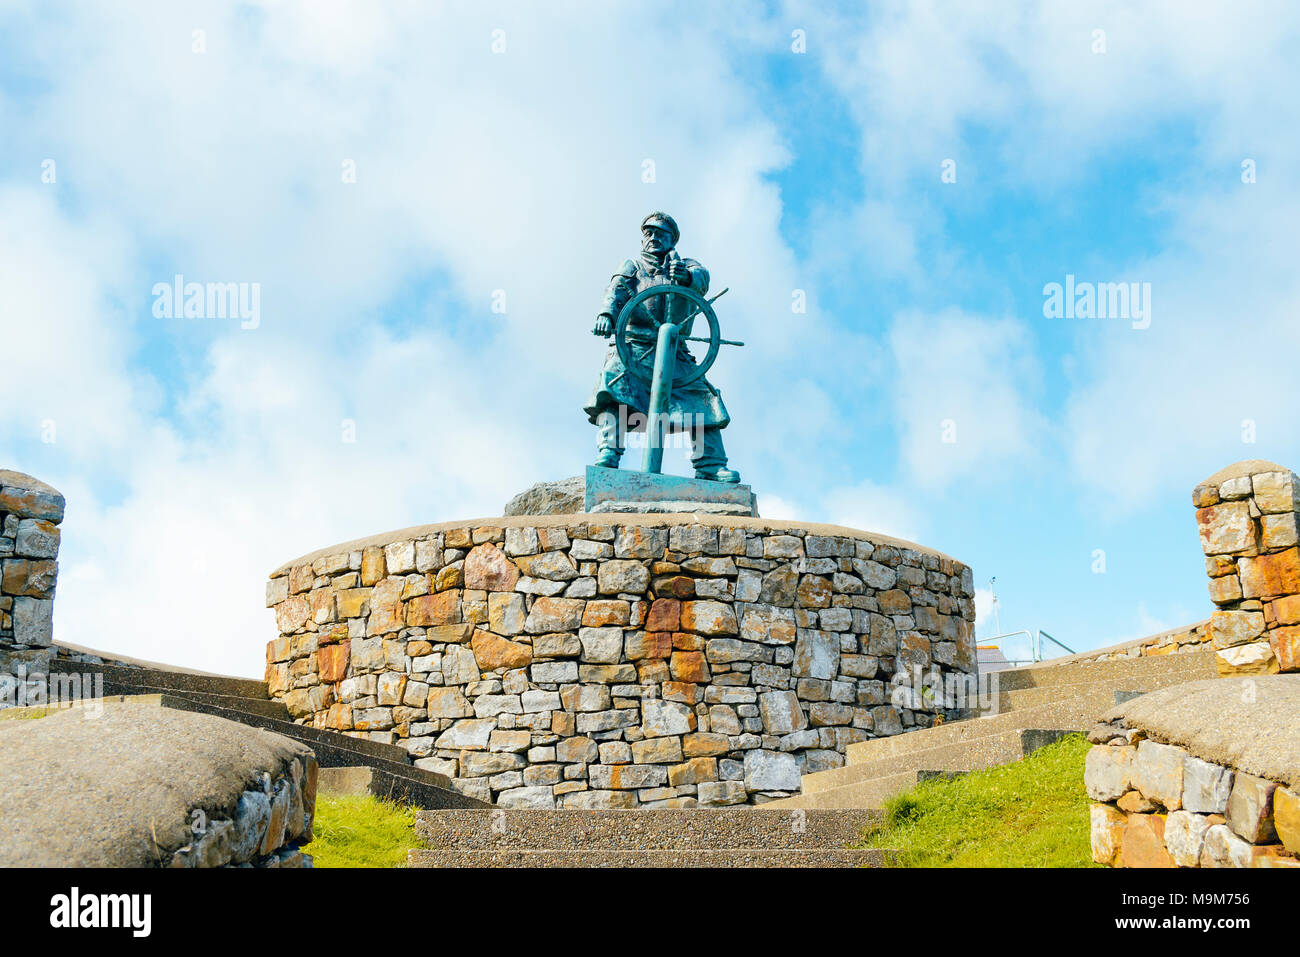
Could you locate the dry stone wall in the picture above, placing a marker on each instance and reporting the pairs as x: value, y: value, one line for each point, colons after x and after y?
x: 1161, y: 805
x: 1248, y: 517
x: 1170, y: 642
x: 30, y: 513
x: 635, y: 661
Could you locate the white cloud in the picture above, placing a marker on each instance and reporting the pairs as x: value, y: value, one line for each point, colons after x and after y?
x: 476, y: 172
x: 963, y: 393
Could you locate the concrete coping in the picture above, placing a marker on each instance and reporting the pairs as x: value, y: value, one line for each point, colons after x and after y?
x: 110, y: 657
x: 1243, y: 468
x: 117, y: 788
x: 1251, y: 724
x: 611, y: 518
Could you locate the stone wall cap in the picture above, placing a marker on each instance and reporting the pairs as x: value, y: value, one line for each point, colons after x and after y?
x: 612, y: 518
x: 1243, y: 468
x: 97, y: 791
x: 22, y: 480
x: 1085, y: 657
x: 116, y: 658
x: 1216, y: 720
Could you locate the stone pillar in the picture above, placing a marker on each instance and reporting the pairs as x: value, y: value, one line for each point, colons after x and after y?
x: 30, y: 513
x: 1247, y: 515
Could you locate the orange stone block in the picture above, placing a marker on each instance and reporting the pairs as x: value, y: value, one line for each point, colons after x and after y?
x: 1285, y: 643
x: 689, y: 666
x: 1270, y: 576
x: 492, y: 652
x: 682, y: 691
x: 440, y: 609
x: 1286, y: 611
x: 332, y: 662
x: 665, y: 615
x: 601, y: 612
x: 1144, y: 842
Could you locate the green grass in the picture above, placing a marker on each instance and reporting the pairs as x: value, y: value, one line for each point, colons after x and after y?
x: 1032, y: 813
x: 361, y: 831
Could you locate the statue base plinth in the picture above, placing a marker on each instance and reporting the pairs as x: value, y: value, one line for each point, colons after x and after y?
x: 622, y: 490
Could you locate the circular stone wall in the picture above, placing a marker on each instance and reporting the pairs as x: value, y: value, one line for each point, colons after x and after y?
x: 619, y: 661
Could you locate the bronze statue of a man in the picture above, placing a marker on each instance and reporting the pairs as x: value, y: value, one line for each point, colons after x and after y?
x: 696, y: 408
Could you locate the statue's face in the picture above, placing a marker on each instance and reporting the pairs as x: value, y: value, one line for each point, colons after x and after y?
x: 656, y: 239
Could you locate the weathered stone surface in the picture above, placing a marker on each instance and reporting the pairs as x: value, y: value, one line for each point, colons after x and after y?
x: 781, y: 712
x: 1230, y: 628
x: 1185, y: 837
x: 1206, y: 786
x: 601, y: 645
x: 767, y: 624
x: 1222, y: 848
x: 708, y: 618
x: 33, y: 620
x: 1250, y: 808
x: 470, y: 734
x: 1157, y: 771
x: 721, y: 793
x: 506, y: 613
x: 1255, y: 658
x: 1286, y: 818
x: 440, y: 609
x: 662, y: 718
x: 816, y: 654
x: 622, y: 576
x: 488, y: 569
x: 771, y: 771
x: 1108, y: 772
x: 1144, y: 842
x: 493, y: 652
x: 1106, y: 832
x: 1268, y: 576
x: 562, y: 497
x: 1225, y: 528
x: 1276, y: 491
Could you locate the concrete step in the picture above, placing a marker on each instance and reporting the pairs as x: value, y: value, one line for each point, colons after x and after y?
x: 1192, y: 665
x: 999, y: 748
x: 729, y: 858
x: 1033, y: 697
x: 692, y: 829
x: 1077, y: 711
x: 239, y: 706
x: 391, y: 784
x: 390, y: 777
x: 259, y: 706
x: 393, y: 779
x: 872, y: 793
x: 161, y: 678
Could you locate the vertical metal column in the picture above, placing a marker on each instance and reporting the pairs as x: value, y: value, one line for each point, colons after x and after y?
x: 661, y: 386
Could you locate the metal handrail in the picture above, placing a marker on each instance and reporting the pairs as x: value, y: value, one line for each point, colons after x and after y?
x: 1035, y: 644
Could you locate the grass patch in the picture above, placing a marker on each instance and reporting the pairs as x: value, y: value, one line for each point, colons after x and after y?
x: 1032, y: 813
x: 359, y: 830
x: 23, y: 714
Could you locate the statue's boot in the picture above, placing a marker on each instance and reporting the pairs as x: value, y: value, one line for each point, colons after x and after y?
x: 609, y: 440
x: 709, y: 457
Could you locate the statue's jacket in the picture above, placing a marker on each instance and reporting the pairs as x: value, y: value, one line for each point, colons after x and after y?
x: 696, y: 405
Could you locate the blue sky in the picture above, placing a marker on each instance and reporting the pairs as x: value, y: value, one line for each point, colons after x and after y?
x: 197, y: 456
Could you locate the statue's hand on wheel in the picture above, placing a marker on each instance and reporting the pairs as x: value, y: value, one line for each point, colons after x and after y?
x: 679, y: 273
x: 604, y: 327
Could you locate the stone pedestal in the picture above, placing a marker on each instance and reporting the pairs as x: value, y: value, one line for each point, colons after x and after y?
x: 1248, y: 517
x: 591, y: 660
